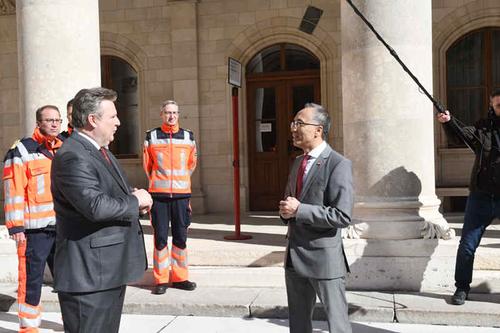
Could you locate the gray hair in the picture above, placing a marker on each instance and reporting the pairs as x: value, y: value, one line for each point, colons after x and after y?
x: 168, y: 102
x: 87, y: 102
x: 321, y: 116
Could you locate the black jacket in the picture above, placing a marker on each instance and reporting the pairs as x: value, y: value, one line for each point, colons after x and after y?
x: 484, y: 140
x: 99, y: 242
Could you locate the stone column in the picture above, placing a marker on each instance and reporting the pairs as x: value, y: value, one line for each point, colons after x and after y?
x: 388, y: 123
x: 58, y: 53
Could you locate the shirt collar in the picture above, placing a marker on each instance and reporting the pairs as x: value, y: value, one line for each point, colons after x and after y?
x: 92, y: 141
x: 316, y: 152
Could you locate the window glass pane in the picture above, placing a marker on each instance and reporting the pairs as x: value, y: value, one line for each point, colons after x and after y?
x: 268, y: 60
x: 298, y: 58
x: 465, y: 62
x: 301, y: 96
x: 121, y: 77
x: 265, y: 118
x: 466, y: 83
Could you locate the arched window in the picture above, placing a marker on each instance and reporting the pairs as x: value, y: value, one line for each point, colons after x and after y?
x: 472, y: 73
x: 119, y: 75
x: 282, y: 57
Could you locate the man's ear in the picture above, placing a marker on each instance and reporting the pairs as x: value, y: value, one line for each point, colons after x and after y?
x: 91, y: 120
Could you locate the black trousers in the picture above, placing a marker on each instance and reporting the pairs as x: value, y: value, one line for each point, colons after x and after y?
x: 93, y: 312
x: 173, y: 211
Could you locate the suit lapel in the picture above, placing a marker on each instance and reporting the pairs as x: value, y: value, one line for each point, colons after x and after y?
x: 315, y: 170
x: 96, y: 154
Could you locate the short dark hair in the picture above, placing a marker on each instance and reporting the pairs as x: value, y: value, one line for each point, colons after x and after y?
x: 70, y: 103
x: 40, y: 110
x: 87, y: 102
x: 495, y: 93
x: 321, y: 116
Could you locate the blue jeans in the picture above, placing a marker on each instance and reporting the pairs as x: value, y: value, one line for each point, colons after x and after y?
x: 480, y: 211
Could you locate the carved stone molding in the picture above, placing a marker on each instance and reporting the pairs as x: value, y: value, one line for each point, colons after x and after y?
x: 7, y: 7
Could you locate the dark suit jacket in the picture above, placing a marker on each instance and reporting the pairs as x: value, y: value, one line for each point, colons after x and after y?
x: 327, y: 196
x: 99, y: 242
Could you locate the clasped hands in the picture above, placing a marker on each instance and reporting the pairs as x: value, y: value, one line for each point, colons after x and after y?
x: 145, y: 200
x: 288, y: 207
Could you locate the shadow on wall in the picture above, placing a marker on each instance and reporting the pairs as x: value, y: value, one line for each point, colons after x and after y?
x: 387, y: 255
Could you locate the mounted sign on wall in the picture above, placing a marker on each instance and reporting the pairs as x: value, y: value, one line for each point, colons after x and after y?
x: 234, y: 72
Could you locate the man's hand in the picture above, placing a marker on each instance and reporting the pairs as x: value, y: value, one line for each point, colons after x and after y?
x: 444, y: 117
x: 288, y: 207
x: 144, y: 198
x: 19, y: 237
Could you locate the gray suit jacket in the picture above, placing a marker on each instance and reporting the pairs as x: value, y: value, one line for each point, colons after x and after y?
x: 99, y: 242
x: 314, y: 239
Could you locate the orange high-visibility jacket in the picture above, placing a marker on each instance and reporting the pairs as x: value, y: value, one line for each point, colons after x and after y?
x: 26, y: 180
x: 169, y: 159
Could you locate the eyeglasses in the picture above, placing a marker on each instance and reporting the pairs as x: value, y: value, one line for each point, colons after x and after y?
x: 52, y: 120
x: 300, y: 123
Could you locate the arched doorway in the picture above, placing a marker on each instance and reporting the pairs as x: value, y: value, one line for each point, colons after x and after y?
x: 280, y: 79
x: 119, y: 75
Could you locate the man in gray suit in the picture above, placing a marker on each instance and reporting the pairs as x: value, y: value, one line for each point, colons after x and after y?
x: 99, y: 241
x: 318, y: 202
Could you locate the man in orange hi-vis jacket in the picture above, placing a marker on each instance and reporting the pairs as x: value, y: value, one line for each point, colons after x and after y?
x: 29, y: 210
x: 169, y: 159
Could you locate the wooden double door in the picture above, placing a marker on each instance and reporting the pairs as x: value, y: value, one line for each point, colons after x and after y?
x: 272, y: 103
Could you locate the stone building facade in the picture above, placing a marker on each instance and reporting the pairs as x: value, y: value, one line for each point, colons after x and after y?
x: 179, y: 49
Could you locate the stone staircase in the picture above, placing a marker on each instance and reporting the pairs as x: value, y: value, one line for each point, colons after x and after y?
x: 404, y: 265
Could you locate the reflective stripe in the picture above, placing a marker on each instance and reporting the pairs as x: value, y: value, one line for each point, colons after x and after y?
x: 15, y: 160
x: 161, y: 265
x: 14, y: 215
x: 179, y: 263
x: 26, y: 322
x: 159, y: 157
x: 7, y: 185
x: 39, y: 223
x: 22, y: 149
x: 164, y: 172
x: 156, y: 141
x: 26, y: 156
x: 176, y: 184
x: 146, y: 143
x: 168, y: 141
x: 178, y: 251
x: 39, y: 209
x: 158, y: 255
x: 40, y: 184
x: 13, y: 200
x: 28, y: 309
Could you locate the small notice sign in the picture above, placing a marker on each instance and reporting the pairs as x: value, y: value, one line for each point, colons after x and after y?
x: 234, y: 72
x: 266, y: 127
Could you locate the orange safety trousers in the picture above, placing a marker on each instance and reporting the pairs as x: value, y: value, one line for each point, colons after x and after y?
x: 170, y: 266
x: 33, y: 254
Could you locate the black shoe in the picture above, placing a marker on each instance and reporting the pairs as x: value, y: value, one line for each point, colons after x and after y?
x: 184, y: 285
x: 459, y: 297
x: 160, y: 289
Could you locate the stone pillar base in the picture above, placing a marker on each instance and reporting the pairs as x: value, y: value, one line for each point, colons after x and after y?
x: 403, y: 219
x: 404, y: 265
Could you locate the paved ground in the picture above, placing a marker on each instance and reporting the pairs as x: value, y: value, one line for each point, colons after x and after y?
x: 170, y: 324
x: 245, y: 280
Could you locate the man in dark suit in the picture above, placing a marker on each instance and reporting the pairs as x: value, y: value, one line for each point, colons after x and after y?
x: 99, y: 241
x: 318, y: 202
